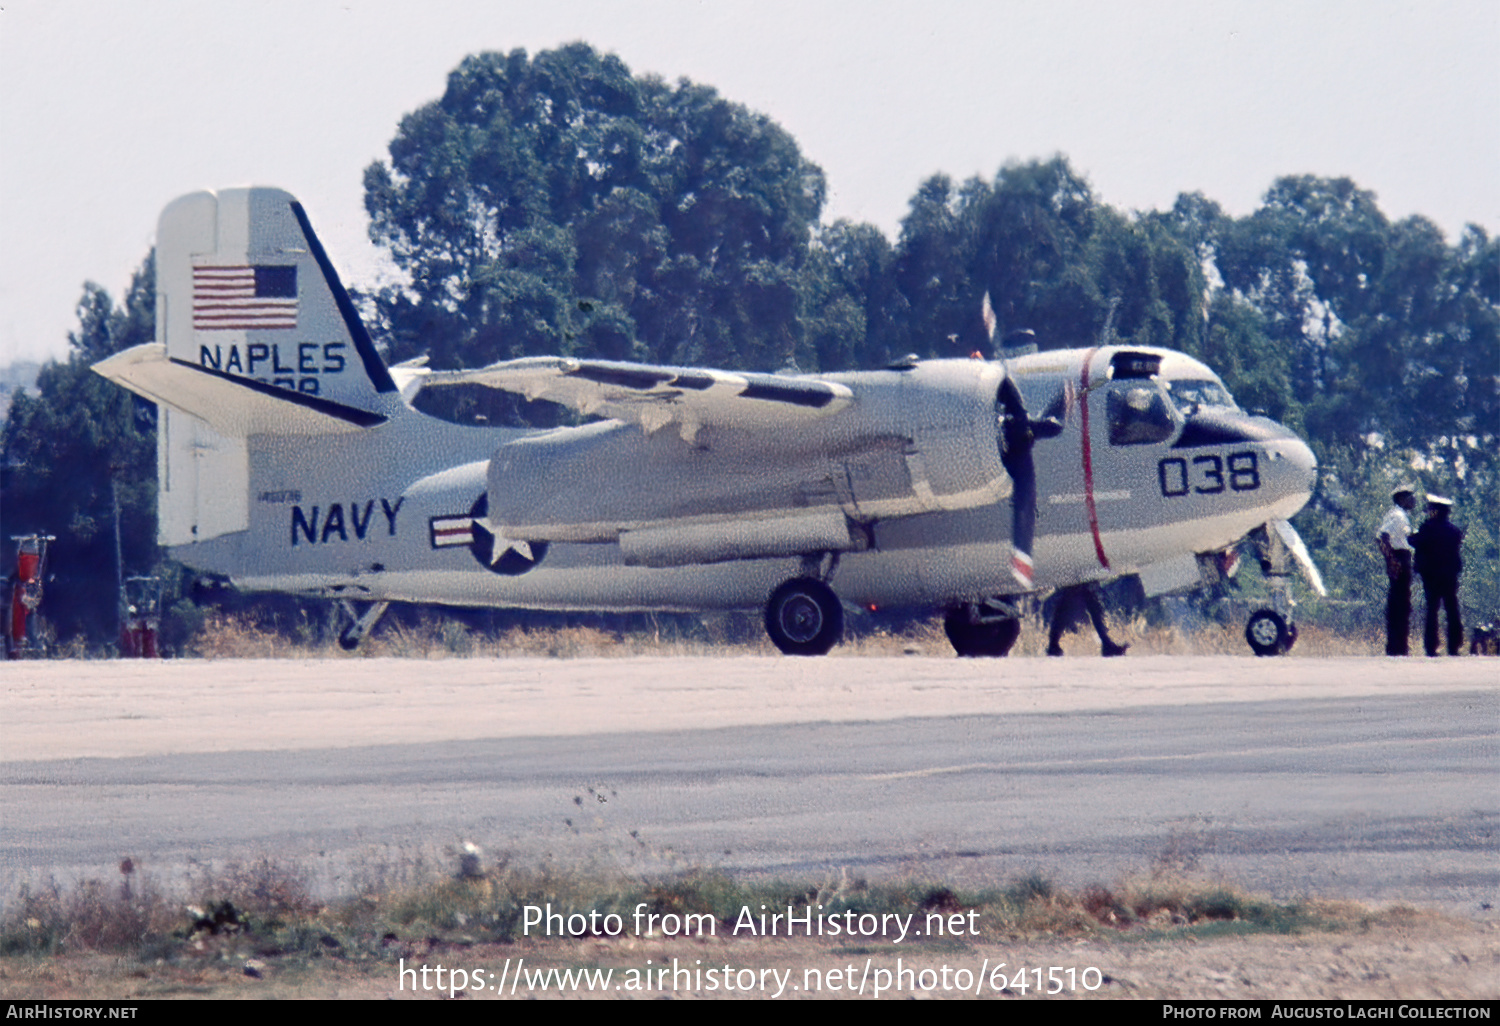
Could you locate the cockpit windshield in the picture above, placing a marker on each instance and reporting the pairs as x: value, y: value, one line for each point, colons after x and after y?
x: 1138, y: 414
x: 1188, y: 394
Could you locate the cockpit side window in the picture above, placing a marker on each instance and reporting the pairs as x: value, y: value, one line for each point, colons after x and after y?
x: 1190, y: 393
x: 1138, y: 415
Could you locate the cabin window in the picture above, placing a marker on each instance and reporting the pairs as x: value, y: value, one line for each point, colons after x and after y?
x: 1191, y: 393
x: 1138, y: 415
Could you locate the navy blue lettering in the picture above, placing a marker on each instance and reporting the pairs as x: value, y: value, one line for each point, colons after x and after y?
x: 1173, y: 475
x: 288, y: 383
x: 256, y: 352
x: 361, y: 526
x: 309, y: 528
x: 1244, y: 471
x: 333, y: 358
x: 334, y: 522
x: 276, y: 366
x: 233, y: 363
x: 390, y: 512
x: 207, y: 360
x: 1213, y: 475
x: 307, y: 386
x: 307, y: 352
x: 316, y: 529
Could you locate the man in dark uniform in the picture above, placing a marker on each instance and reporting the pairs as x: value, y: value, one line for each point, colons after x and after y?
x: 1396, y: 548
x: 1071, y: 604
x: 1437, y: 544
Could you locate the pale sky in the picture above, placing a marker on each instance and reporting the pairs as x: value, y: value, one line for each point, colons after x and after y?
x: 109, y: 110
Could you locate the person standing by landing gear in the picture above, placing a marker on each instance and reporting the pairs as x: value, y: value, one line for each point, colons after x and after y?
x: 1395, y: 546
x: 1071, y: 603
x: 1437, y: 545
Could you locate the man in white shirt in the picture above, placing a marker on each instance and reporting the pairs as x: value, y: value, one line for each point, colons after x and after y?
x: 1396, y: 548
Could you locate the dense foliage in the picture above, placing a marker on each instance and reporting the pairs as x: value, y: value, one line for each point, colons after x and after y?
x: 76, y: 452
x: 560, y: 204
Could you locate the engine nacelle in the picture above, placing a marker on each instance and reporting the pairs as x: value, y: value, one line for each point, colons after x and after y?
x: 913, y: 441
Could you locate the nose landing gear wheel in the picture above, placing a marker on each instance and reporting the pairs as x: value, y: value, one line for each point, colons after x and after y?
x: 1269, y: 634
x: 804, y: 617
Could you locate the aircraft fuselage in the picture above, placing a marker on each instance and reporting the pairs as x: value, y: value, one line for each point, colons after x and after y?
x: 606, y: 516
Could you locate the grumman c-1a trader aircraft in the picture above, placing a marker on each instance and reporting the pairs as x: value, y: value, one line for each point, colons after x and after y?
x: 291, y: 459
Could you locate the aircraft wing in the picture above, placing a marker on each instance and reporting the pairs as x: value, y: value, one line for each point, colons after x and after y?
x: 655, y: 396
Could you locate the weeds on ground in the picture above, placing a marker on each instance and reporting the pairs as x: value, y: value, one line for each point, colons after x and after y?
x: 434, y: 636
x: 138, y: 915
x: 265, y: 909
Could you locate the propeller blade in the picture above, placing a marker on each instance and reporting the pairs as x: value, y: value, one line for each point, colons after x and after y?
x: 1023, y: 518
x: 1016, y: 441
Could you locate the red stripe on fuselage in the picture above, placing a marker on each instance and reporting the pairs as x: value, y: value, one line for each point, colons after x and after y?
x: 1088, y: 458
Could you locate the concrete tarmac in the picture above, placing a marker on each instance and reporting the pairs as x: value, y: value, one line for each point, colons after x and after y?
x: 1369, y: 779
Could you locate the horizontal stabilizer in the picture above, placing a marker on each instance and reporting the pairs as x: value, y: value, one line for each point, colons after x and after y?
x: 233, y: 405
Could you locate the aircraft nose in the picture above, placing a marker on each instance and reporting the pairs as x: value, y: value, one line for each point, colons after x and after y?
x: 1282, y: 467
x: 1293, y: 464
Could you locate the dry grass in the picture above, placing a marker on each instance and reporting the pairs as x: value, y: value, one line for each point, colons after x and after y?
x: 436, y: 637
x: 1312, y: 641
x: 252, y: 930
x: 268, y: 907
x: 138, y: 914
x: 229, y: 637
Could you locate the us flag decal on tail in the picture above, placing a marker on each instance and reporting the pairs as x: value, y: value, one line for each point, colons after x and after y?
x: 448, y: 531
x: 244, y: 297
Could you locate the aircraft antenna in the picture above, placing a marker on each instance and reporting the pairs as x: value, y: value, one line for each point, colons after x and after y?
x: 1107, y: 336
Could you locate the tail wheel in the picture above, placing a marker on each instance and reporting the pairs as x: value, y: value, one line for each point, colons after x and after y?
x: 804, y: 617
x: 980, y: 640
x: 1269, y: 634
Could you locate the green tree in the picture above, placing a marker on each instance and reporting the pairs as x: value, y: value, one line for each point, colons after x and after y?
x: 933, y: 268
x: 1377, y: 341
x: 1053, y: 260
x: 76, y: 447
x: 559, y: 204
x: 1153, y: 276
x: 1035, y: 224
x: 851, y: 311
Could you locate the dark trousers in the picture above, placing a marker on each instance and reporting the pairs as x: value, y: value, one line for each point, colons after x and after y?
x: 1072, y: 603
x: 1398, y: 607
x: 1444, y: 593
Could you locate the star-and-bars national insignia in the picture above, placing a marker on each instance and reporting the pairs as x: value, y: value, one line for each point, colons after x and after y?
x: 243, y: 297
x: 451, y: 531
x: 505, y: 556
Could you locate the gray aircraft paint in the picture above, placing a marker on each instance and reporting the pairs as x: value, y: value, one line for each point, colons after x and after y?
x: 703, y: 489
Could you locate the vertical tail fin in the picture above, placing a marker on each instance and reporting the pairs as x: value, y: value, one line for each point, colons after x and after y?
x: 244, y: 288
x: 255, y: 335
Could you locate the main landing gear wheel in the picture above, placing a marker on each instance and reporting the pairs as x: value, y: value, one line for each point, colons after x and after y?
x: 979, y: 640
x: 1269, y: 634
x: 804, y: 617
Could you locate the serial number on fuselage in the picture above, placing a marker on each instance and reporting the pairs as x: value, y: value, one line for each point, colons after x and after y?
x: 1208, y: 475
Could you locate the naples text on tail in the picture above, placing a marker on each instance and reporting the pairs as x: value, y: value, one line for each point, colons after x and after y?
x: 291, y: 459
